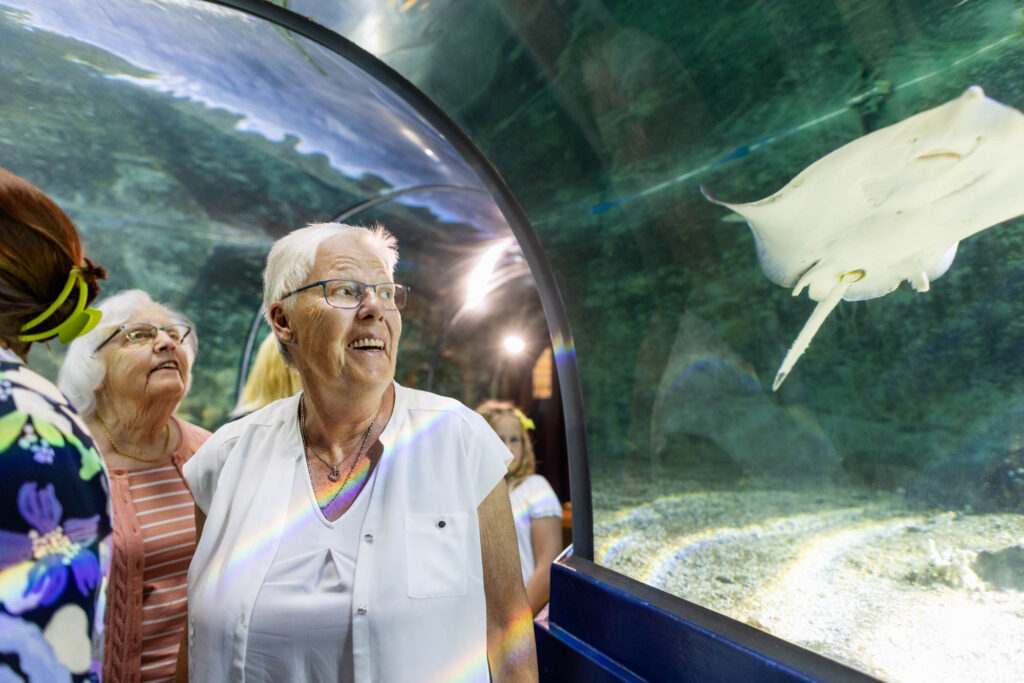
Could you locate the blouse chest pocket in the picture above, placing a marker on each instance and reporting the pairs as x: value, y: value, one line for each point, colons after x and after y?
x: 435, y: 553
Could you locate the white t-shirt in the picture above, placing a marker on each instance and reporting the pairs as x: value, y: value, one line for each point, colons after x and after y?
x: 308, y: 590
x: 418, y: 611
x: 532, y: 499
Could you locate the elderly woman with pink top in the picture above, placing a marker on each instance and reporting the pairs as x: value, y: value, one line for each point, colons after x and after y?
x: 126, y: 378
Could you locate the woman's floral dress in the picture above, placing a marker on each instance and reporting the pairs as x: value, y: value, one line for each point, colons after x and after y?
x: 54, y: 534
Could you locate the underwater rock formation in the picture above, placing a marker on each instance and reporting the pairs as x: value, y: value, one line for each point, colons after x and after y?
x: 1003, y: 485
x: 708, y: 391
x: 1003, y: 569
x: 992, y: 484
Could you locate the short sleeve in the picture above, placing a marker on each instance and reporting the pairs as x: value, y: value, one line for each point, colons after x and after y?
x: 202, y: 472
x: 491, y: 456
x: 542, y: 499
x: 192, y: 437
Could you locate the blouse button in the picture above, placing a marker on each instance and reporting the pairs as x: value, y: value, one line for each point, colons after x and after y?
x: 441, y: 524
x: 368, y: 538
x: 361, y: 610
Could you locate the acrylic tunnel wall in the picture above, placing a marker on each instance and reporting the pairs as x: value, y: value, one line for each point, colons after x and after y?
x: 871, y: 509
x: 184, y: 138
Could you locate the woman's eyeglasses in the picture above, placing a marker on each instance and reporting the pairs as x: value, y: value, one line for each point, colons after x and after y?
x: 349, y: 293
x: 144, y: 333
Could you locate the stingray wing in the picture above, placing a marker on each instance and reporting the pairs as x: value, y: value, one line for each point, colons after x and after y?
x: 890, y: 206
x: 928, y: 181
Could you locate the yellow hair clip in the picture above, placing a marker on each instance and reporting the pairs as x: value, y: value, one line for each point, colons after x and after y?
x: 526, y: 422
x: 81, y: 320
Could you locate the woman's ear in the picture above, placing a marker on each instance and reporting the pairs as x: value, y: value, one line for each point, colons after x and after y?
x: 280, y: 323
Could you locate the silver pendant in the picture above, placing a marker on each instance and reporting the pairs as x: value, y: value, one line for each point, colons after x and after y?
x: 335, y: 475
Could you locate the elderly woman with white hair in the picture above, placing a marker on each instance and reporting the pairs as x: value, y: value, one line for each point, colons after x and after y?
x: 127, y: 377
x: 360, y: 530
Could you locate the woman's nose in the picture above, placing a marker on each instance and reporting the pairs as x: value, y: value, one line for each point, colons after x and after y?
x: 163, y: 340
x: 371, y: 303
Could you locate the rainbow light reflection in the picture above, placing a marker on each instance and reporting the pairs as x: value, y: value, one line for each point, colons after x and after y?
x: 244, y: 554
x: 340, y: 495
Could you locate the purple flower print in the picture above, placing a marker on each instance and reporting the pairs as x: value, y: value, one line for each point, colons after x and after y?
x: 53, y: 547
x: 42, y: 452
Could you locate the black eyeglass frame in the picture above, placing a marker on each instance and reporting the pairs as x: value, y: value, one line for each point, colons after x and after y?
x: 323, y: 285
x: 124, y: 329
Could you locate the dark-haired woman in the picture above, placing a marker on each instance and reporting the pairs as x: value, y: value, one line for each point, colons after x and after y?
x: 54, y: 505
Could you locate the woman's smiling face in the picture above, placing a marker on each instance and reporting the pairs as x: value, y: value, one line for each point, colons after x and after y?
x: 358, y: 345
x: 157, y: 369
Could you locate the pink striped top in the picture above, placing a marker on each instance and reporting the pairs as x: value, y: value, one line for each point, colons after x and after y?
x: 165, y: 513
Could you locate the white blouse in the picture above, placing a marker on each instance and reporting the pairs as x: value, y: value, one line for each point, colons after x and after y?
x: 532, y: 499
x: 417, y: 611
x: 308, y: 590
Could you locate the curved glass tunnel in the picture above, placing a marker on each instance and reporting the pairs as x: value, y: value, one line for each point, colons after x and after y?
x: 871, y: 510
x: 181, y: 161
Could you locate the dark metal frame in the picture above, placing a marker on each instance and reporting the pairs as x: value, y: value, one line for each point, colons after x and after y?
x: 604, y: 626
x: 384, y: 198
x: 250, y: 344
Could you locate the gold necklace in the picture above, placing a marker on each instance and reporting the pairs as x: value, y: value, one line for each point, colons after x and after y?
x: 120, y: 451
x: 334, y: 474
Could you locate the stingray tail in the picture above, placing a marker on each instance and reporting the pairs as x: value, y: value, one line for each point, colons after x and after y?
x: 812, y: 325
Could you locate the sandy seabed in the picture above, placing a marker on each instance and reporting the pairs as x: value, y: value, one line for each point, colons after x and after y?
x: 858, y: 577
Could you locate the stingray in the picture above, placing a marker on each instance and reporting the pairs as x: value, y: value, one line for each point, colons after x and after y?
x: 890, y: 206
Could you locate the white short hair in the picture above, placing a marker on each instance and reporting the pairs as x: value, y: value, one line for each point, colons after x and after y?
x: 83, y: 370
x: 292, y: 257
